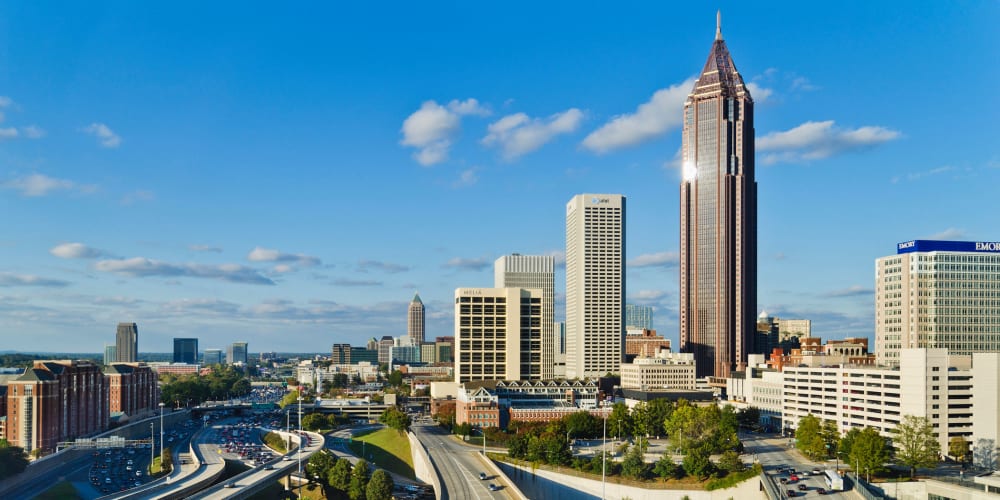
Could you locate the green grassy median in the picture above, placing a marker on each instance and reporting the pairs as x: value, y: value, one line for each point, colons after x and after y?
x: 389, y: 450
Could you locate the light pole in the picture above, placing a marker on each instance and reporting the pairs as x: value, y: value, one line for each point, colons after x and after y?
x: 604, y: 453
x: 152, y: 439
x: 300, y: 437
x: 161, y: 436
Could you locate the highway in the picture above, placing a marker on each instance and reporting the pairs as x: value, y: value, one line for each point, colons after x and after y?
x: 459, y: 465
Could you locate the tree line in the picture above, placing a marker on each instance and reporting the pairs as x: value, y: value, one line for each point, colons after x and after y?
x: 220, y: 383
x: 342, y: 480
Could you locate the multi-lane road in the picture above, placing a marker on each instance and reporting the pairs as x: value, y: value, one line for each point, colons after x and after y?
x: 459, y: 466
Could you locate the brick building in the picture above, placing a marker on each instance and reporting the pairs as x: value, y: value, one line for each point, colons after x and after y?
x: 132, y: 389
x: 645, y: 343
x: 55, y: 401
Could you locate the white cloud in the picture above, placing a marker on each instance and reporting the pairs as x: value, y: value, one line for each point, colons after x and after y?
x: 851, y: 291
x: 467, y: 177
x: 663, y: 112
x: 104, y: 134
x: 33, y: 132
x: 388, y: 267
x: 469, y: 264
x: 952, y: 233
x: 259, y: 254
x: 5, y: 102
x: 558, y: 255
x: 11, y: 279
x: 518, y: 134
x: 77, y: 251
x: 205, y: 248
x: 41, y: 185
x: 432, y: 128
x: 759, y: 93
x: 143, y: 267
x: 659, y: 259
x: 818, y: 140
x: 8, y: 133
x: 915, y: 176
x: 137, y: 196
x: 282, y: 268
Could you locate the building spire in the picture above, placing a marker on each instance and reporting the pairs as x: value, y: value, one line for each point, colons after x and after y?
x: 718, y: 24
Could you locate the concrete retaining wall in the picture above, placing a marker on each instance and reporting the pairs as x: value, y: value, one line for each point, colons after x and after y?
x: 540, y: 483
x: 422, y: 467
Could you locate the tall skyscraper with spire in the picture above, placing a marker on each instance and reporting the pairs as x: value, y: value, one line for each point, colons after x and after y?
x: 415, y: 321
x: 718, y: 227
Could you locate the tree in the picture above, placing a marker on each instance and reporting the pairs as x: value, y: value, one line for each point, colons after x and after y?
x: 320, y: 464
x: 463, y: 430
x: 395, y: 378
x: 582, y: 424
x: 869, y: 452
x: 167, y: 460
x: 289, y: 399
x: 12, y: 459
x: 831, y: 437
x: 697, y: 462
x: 847, y: 441
x: 958, y: 447
x: 379, y: 486
x: 339, y: 476
x: 730, y: 461
x: 915, y: 443
x: 808, y: 439
x: 633, y: 466
x: 359, y: 480
x: 396, y: 419
x: 659, y: 411
x: 619, y: 422
x: 340, y: 380
x: 315, y: 422
x: 665, y: 467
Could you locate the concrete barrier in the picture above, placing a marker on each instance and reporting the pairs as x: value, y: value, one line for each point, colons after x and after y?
x: 422, y: 467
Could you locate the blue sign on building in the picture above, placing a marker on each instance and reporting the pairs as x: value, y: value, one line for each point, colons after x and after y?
x: 948, y: 246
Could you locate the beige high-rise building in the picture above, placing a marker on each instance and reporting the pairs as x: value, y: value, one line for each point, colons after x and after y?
x: 718, y: 226
x: 536, y: 272
x: 415, y: 322
x: 498, y: 334
x: 595, y: 284
x: 937, y: 294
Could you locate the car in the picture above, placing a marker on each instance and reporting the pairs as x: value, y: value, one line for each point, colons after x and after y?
x: 482, y: 476
x: 494, y: 487
x: 269, y: 467
x: 783, y: 480
x: 803, y: 487
x: 793, y: 478
x: 821, y: 491
x: 230, y: 484
x: 792, y: 493
x: 816, y: 472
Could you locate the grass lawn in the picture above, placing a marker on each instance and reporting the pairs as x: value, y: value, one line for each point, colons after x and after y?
x: 387, y: 448
x: 61, y: 491
x: 154, y: 468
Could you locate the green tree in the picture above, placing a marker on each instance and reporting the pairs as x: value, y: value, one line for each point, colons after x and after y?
x: 808, y: 439
x: 463, y: 430
x: 683, y: 426
x: 289, y: 399
x: 659, y: 411
x: 379, y: 486
x: 339, y: 477
x: 730, y: 461
x: 395, y: 378
x: 340, y: 380
x: 320, y: 464
x: 619, y: 421
x: 633, y: 466
x: 697, y: 462
x: 749, y: 416
x: 396, y: 419
x: 359, y: 481
x: 13, y: 460
x: 958, y: 447
x: 831, y: 437
x: 847, y: 441
x: 665, y: 467
x: 869, y: 452
x: 167, y: 460
x: 315, y: 422
x: 915, y: 443
x: 582, y: 424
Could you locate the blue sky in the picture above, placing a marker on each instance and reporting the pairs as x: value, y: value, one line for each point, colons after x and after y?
x: 291, y: 175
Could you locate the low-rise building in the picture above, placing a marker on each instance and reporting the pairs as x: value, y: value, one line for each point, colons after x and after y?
x: 666, y: 370
x: 644, y: 343
x: 132, y: 389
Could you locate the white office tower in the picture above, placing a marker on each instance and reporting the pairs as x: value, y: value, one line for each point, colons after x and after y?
x: 536, y: 272
x: 937, y: 294
x: 595, y: 284
x: 498, y: 334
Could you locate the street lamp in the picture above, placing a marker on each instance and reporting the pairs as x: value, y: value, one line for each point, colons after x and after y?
x: 300, y: 436
x: 161, y: 436
x: 152, y: 439
x: 604, y: 453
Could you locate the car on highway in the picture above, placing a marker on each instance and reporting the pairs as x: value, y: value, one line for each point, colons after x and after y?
x: 482, y: 476
x: 816, y: 472
x: 792, y: 493
x: 494, y: 487
x: 822, y: 491
x: 803, y: 487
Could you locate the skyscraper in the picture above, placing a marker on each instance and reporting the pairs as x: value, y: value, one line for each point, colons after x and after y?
x: 937, y: 294
x: 212, y: 357
x: 498, y: 334
x: 595, y: 284
x: 415, y: 320
x: 186, y: 351
x: 110, y: 354
x: 127, y: 343
x: 237, y: 353
x: 533, y: 271
x: 718, y: 226
x: 638, y: 317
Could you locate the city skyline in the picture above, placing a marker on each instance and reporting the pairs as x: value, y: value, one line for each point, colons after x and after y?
x: 169, y: 170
